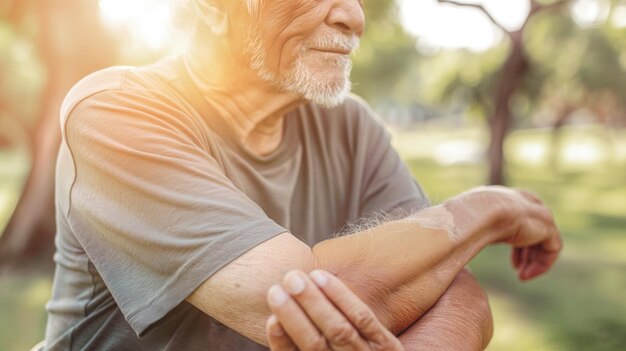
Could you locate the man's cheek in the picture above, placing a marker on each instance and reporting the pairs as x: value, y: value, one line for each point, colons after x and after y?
x: 286, y: 26
x: 289, y: 9
x: 292, y: 17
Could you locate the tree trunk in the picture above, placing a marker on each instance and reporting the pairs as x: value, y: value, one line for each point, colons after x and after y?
x: 498, y: 128
x: 31, y: 227
x: 72, y: 44
x: 15, y: 131
x: 511, y: 78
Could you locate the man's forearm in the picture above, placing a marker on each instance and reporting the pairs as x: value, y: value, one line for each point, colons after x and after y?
x: 402, y: 268
x: 461, y: 320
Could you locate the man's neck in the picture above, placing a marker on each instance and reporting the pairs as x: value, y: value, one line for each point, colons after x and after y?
x: 255, y: 110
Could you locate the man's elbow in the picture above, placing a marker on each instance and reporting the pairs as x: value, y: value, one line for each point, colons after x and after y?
x: 461, y: 320
x: 472, y: 300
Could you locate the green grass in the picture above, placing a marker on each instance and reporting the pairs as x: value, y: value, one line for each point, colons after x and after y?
x: 23, y: 293
x: 579, y: 305
x: 22, y: 299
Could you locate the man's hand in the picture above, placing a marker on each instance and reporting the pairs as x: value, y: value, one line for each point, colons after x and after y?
x: 521, y: 220
x: 318, y: 312
x: 326, y: 315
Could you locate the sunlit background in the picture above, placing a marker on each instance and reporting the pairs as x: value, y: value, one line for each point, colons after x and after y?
x: 435, y: 73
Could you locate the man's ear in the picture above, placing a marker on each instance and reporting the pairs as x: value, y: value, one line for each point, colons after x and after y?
x: 212, y: 13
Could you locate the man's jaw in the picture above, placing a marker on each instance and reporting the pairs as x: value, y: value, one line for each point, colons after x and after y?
x: 328, y: 85
x: 329, y: 88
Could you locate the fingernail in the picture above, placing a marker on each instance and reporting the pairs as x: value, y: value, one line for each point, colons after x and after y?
x: 320, y: 278
x: 275, y: 329
x: 277, y: 296
x: 294, y: 283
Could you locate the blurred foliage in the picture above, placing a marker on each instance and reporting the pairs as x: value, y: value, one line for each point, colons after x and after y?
x: 21, y: 78
x: 386, y: 51
x: 576, y: 65
x: 570, y: 65
x: 12, y: 175
x: 22, y: 299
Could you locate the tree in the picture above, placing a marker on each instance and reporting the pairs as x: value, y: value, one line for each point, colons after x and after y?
x: 510, y: 79
x: 71, y: 43
x: 588, y: 75
x: 386, y: 52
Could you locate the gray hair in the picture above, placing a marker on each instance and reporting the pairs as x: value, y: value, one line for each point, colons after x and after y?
x: 185, y: 12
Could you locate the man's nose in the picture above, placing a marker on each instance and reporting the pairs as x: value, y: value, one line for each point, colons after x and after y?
x: 347, y: 16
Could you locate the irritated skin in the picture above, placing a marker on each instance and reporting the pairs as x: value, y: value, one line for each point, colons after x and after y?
x: 415, y: 263
x: 400, y: 268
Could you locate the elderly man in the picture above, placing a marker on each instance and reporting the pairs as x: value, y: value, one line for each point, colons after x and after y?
x: 187, y: 188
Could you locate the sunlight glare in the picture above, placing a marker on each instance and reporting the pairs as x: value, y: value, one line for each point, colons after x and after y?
x: 618, y: 20
x: 583, y: 153
x: 533, y: 153
x: 590, y: 13
x: 453, y: 27
x: 153, y: 26
x: 147, y: 20
x: 119, y: 11
x: 511, y: 13
x: 458, y: 152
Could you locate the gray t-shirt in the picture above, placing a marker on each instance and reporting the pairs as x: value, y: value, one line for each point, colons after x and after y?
x: 154, y: 195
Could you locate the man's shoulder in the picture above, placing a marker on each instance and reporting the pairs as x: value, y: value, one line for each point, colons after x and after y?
x: 112, y: 79
x: 356, y: 102
x: 117, y: 80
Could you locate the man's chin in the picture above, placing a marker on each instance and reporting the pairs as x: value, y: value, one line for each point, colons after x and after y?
x: 327, y: 94
x: 328, y: 89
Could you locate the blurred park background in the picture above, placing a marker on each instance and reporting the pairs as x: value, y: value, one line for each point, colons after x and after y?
x: 526, y: 93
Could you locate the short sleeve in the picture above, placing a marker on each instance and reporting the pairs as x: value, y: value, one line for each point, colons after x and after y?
x: 387, y: 184
x: 149, y: 204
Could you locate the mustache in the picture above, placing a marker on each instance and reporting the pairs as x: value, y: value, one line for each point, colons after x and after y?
x: 342, y: 42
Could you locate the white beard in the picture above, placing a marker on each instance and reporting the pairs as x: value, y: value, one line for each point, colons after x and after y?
x: 328, y: 90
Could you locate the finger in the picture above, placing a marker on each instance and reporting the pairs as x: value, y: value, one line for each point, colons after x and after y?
x: 542, y: 257
x: 357, y: 312
x: 339, y: 332
x: 545, y: 224
x: 277, y: 337
x: 540, y: 262
x: 531, y: 196
x: 554, y: 243
x: 294, y: 320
